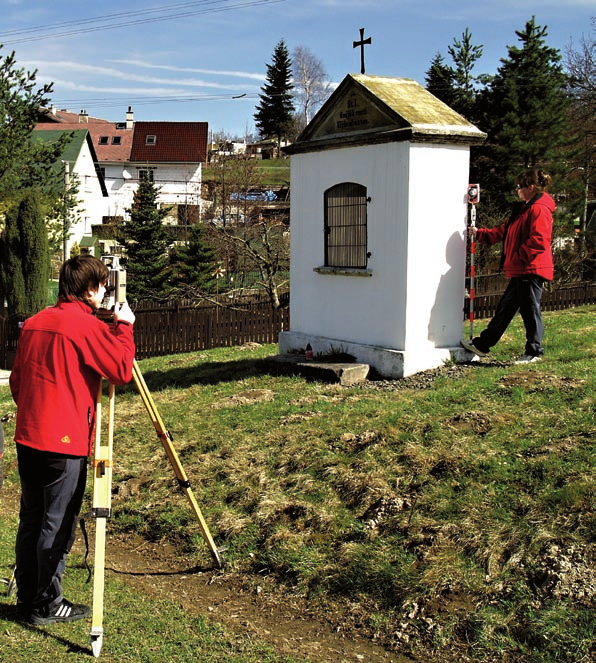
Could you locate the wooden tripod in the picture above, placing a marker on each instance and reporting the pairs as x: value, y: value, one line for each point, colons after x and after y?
x: 102, y: 494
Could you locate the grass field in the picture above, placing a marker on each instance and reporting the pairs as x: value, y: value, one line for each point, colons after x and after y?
x: 273, y: 172
x: 451, y: 515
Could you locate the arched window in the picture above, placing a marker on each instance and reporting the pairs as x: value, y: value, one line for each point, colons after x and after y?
x: 345, y: 226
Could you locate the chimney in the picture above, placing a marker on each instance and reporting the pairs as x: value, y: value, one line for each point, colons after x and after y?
x: 130, y: 118
x: 83, y: 117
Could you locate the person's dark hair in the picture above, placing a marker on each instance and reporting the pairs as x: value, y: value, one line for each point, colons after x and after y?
x: 79, y: 274
x: 537, y: 178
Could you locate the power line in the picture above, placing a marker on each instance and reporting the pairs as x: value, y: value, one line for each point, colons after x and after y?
x: 102, y: 102
x: 122, y: 19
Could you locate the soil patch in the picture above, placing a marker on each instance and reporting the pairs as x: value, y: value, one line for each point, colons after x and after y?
x: 248, y: 604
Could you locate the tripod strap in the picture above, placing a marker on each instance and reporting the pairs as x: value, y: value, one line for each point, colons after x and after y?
x: 102, y: 502
x: 166, y: 440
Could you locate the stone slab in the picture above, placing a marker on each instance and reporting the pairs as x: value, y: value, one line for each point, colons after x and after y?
x: 346, y: 373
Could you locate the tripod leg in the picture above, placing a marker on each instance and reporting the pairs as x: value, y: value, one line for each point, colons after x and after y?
x: 102, y: 500
x: 166, y: 440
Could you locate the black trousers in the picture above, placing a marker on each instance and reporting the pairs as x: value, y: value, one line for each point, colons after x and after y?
x: 523, y: 294
x: 52, y: 489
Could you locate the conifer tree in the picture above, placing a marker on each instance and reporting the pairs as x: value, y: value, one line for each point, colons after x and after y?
x: 440, y: 80
x: 25, y: 265
x: 192, y: 265
x: 465, y: 55
x: 24, y: 163
x: 145, y: 241
x: 275, y: 111
x: 526, y: 111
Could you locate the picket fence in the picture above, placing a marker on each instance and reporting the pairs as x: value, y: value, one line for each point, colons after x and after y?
x: 174, y: 329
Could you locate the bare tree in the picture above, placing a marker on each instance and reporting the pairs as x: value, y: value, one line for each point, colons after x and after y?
x: 311, y: 87
x: 580, y: 66
x: 263, y: 248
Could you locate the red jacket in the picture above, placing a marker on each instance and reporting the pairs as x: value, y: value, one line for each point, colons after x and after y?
x: 62, y: 354
x: 527, y: 239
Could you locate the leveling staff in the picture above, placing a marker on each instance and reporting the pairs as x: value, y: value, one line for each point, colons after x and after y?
x: 63, y: 353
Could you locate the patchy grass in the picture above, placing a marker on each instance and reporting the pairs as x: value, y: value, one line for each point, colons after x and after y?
x: 452, y: 513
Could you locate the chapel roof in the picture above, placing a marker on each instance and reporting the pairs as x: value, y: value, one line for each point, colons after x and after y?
x: 372, y: 109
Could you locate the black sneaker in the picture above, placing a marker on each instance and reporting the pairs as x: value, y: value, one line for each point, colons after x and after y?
x: 63, y: 612
x: 24, y: 611
x: 470, y: 347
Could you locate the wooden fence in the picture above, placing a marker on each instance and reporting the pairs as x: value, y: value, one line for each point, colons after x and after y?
x: 564, y: 297
x: 173, y: 330
x: 177, y: 329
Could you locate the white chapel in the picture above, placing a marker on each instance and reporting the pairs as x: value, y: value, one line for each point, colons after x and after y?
x: 379, y: 184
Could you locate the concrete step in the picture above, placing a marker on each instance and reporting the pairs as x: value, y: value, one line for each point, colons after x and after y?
x: 346, y: 373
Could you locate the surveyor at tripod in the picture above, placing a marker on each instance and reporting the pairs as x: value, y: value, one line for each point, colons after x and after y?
x: 527, y: 261
x: 63, y: 353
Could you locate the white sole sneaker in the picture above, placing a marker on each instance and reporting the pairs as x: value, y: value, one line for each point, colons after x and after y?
x: 527, y: 359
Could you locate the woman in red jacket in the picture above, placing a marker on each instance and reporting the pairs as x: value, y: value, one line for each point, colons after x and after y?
x: 527, y: 261
x: 63, y: 353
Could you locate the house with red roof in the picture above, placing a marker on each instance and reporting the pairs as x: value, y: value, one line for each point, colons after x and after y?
x: 171, y: 154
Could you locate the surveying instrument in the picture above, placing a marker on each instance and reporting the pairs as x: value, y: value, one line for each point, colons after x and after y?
x: 473, y: 196
x: 102, y: 461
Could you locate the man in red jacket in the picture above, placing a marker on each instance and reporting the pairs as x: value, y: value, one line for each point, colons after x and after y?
x: 527, y: 261
x: 63, y: 353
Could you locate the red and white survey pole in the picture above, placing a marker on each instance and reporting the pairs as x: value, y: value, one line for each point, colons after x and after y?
x: 473, y: 198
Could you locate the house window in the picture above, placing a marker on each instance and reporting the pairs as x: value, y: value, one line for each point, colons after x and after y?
x: 103, y: 140
x: 150, y: 140
x: 116, y: 140
x: 346, y: 226
x: 145, y: 174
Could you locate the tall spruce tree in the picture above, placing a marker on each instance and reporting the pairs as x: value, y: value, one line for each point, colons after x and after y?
x: 465, y: 55
x: 25, y: 263
x: 274, y: 114
x: 440, y: 80
x: 192, y: 266
x: 526, y: 112
x: 145, y: 241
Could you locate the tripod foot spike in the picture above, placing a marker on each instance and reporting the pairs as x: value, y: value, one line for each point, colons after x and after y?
x: 96, y: 642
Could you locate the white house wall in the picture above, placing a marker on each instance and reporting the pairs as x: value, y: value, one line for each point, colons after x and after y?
x: 179, y: 184
x: 364, y: 309
x: 93, y: 205
x: 436, y: 247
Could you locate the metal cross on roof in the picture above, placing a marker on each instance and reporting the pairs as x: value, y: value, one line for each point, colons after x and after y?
x: 362, y: 44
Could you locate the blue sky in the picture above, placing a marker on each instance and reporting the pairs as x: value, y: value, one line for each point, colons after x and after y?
x: 186, y: 61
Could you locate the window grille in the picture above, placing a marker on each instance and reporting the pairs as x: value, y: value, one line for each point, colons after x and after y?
x: 346, y: 226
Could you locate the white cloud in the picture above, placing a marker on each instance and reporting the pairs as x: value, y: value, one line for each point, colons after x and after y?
x: 216, y: 72
x: 48, y: 69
